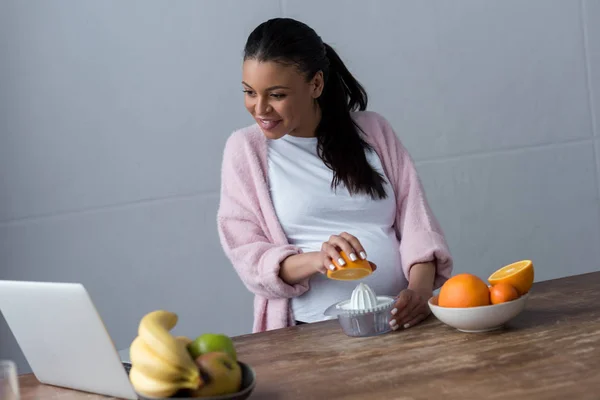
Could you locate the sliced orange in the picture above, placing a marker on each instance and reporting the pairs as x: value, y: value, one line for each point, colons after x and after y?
x: 519, y: 274
x: 351, y: 271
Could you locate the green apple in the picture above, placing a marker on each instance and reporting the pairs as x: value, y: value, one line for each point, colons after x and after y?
x: 212, y: 342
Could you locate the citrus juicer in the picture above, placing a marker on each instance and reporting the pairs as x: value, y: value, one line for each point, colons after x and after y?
x: 364, y: 314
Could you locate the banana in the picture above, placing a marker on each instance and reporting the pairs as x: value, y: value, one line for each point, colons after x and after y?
x: 151, y: 387
x: 154, y: 330
x: 146, y: 361
x: 184, y: 339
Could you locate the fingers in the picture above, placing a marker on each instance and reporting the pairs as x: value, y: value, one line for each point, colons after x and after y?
x: 330, y: 253
x: 404, y: 319
x: 322, y: 269
x: 410, y: 309
x: 415, y: 320
x: 349, y: 245
x: 412, y: 322
x: 356, y: 245
x: 404, y: 299
x: 342, y: 244
x: 405, y: 310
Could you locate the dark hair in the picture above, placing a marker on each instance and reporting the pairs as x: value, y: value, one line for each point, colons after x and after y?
x: 340, y: 144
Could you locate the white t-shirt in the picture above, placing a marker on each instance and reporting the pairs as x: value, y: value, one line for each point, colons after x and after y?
x: 310, y: 211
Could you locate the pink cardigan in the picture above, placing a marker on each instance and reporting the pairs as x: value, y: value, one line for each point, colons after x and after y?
x: 255, y: 243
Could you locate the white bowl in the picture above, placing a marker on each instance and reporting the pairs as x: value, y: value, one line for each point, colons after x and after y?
x: 478, y: 319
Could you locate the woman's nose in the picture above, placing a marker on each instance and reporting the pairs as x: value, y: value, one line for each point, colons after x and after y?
x: 262, y: 107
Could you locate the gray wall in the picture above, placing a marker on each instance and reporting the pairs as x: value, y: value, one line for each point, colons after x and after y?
x: 113, y: 116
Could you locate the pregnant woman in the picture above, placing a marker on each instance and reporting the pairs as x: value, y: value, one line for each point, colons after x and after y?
x: 316, y: 175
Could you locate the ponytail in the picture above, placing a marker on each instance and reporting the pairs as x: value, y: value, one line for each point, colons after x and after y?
x: 340, y: 144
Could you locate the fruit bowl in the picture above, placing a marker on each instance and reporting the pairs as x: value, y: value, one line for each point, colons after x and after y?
x: 478, y: 319
x: 247, y: 386
x: 164, y: 366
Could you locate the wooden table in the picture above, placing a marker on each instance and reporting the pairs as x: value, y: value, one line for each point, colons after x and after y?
x: 549, y: 351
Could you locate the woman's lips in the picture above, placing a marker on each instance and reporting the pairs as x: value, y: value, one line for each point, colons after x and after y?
x: 267, y: 124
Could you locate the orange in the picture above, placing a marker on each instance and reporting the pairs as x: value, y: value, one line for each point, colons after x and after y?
x: 503, y: 292
x: 464, y: 290
x: 519, y: 274
x: 351, y: 271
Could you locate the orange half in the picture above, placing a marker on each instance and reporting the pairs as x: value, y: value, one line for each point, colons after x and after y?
x: 351, y: 271
x: 519, y: 274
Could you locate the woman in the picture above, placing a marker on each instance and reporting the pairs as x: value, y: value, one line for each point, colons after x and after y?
x: 317, y: 175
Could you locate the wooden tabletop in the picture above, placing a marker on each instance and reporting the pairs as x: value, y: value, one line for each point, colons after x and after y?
x: 549, y: 351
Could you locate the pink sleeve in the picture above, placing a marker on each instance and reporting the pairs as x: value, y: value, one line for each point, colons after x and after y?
x: 255, y: 258
x: 421, y: 236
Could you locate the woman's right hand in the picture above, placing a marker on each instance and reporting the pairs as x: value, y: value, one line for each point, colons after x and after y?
x: 299, y: 267
x: 330, y: 250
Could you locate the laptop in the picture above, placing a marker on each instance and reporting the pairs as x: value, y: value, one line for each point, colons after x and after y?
x: 64, y: 339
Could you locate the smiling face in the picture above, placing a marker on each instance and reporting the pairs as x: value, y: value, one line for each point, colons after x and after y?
x: 280, y: 98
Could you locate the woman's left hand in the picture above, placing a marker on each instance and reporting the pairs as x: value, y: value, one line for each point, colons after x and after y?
x: 410, y: 308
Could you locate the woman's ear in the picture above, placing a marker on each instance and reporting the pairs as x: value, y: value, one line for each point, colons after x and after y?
x: 317, y: 84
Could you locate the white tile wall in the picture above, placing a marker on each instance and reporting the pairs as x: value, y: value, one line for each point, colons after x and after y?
x: 591, y: 18
x: 598, y: 164
x: 107, y: 102
x: 539, y: 204
x: 113, y: 118
x: 467, y: 77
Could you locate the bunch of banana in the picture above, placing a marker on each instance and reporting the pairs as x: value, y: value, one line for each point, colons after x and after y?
x: 160, y: 362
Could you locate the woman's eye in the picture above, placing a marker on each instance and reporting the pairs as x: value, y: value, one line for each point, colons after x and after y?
x: 249, y: 92
x: 278, y: 95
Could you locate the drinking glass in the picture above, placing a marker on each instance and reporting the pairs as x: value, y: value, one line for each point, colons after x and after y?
x: 9, y: 386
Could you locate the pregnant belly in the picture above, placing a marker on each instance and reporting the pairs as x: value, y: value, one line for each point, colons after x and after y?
x: 383, y: 251
x: 388, y: 279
